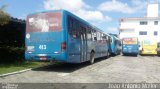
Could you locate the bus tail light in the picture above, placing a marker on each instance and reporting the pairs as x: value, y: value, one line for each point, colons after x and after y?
x: 63, y: 46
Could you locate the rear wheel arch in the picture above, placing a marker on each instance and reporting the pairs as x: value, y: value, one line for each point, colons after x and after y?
x: 92, y: 56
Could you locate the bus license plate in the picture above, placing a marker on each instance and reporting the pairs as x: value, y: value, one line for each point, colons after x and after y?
x: 43, y: 58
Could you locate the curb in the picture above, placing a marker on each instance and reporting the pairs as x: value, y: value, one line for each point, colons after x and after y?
x: 17, y: 72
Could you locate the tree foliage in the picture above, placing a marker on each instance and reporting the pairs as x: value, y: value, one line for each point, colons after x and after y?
x: 4, y: 17
x: 12, y: 40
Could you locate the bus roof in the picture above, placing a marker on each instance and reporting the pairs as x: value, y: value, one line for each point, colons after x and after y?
x: 69, y: 13
x: 46, y: 11
x: 84, y: 21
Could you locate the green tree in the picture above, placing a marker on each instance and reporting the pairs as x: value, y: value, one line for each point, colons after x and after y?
x: 4, y: 17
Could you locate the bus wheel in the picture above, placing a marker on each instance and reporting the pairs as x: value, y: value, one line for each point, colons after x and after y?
x: 92, y: 57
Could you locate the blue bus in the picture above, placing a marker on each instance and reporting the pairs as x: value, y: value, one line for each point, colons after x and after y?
x: 115, y: 45
x: 61, y: 36
x: 130, y: 46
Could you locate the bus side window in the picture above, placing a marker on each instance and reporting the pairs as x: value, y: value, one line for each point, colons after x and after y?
x: 82, y: 29
x: 73, y: 32
x: 110, y: 39
x: 76, y: 28
x: 70, y: 22
x: 101, y: 37
x: 95, y: 38
x: 98, y: 36
x: 104, y: 37
x: 107, y: 39
x: 89, y: 36
x: 70, y: 27
x: 94, y: 35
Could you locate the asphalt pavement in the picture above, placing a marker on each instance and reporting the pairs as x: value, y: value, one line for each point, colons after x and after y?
x: 118, y: 69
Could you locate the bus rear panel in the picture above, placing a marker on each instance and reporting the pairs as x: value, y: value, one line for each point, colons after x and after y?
x: 130, y: 46
x: 149, y: 47
x: 45, y: 39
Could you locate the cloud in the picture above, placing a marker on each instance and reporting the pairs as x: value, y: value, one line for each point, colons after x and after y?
x: 93, y: 16
x: 79, y: 8
x: 118, y: 6
x: 72, y: 5
x: 139, y: 5
x: 23, y: 16
x: 113, y: 30
x: 115, y: 6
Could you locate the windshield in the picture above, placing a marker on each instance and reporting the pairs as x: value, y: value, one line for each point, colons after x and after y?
x: 44, y: 22
x: 147, y: 42
x: 130, y: 41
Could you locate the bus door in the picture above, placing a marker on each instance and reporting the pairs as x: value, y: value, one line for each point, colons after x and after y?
x: 83, y: 38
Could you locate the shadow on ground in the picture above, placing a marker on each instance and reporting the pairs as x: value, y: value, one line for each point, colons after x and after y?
x: 152, y: 55
x: 66, y: 67
x: 130, y: 55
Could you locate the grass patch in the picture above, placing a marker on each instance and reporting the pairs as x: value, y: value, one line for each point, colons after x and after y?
x: 17, y: 66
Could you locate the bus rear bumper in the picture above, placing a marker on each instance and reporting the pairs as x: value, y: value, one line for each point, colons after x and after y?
x: 130, y: 52
x: 149, y: 53
x: 46, y: 57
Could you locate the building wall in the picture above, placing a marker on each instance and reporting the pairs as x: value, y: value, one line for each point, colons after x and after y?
x: 131, y: 28
x: 152, y: 10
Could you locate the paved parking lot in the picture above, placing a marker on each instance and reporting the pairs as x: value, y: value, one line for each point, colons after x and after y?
x: 125, y: 69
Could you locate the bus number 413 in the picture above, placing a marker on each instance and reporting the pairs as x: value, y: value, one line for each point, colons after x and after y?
x: 42, y: 47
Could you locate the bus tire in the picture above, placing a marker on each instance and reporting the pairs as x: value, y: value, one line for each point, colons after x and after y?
x: 92, y: 57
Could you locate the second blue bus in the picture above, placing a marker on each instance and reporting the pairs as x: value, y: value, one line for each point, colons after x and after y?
x: 115, y: 45
x: 130, y: 46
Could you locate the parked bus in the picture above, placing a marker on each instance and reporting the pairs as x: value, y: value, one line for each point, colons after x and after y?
x: 130, y: 46
x: 115, y: 45
x: 148, y: 47
x: 61, y: 36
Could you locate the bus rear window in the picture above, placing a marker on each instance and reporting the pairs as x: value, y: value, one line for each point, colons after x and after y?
x: 147, y: 42
x: 130, y: 41
x: 44, y: 22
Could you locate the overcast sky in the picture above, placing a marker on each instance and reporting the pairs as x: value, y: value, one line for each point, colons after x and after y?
x: 104, y: 14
